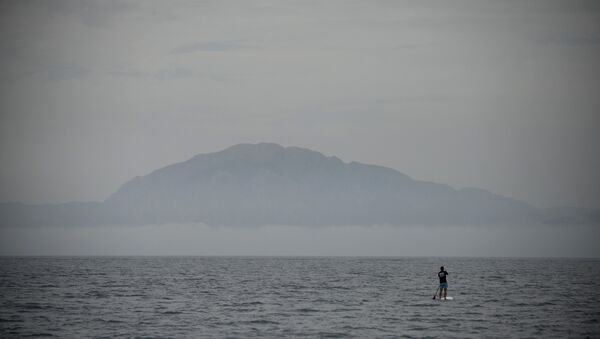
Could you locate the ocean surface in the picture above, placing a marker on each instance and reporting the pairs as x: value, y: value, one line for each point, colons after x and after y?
x: 240, y: 297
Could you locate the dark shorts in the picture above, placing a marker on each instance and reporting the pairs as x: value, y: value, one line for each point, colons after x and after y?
x: 444, y: 285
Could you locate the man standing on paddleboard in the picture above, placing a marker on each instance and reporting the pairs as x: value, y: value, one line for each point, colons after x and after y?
x: 443, y: 283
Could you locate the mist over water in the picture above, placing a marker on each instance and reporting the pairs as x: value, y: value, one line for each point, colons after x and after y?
x: 199, y: 239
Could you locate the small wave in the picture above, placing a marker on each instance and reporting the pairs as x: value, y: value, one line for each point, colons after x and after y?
x: 30, y: 335
x: 337, y: 287
x: 293, y: 286
x: 333, y: 335
x: 250, y: 303
x: 346, y: 309
x: 97, y: 294
x: 359, y: 328
x: 261, y: 322
x: 114, y: 321
x: 590, y: 321
x: 544, y: 303
x: 307, y: 310
x: 436, y: 304
x: 108, y: 321
x: 172, y: 312
x: 33, y: 306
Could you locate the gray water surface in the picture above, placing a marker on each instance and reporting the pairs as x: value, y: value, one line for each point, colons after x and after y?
x: 157, y: 297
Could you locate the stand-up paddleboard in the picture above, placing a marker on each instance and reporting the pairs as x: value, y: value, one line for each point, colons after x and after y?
x: 442, y: 298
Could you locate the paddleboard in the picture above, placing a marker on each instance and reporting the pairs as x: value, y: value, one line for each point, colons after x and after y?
x: 442, y: 299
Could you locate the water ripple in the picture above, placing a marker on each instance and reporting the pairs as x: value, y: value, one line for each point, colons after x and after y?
x: 190, y: 297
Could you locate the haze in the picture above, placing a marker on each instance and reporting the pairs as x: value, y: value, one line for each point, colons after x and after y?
x: 501, y: 95
x: 193, y: 239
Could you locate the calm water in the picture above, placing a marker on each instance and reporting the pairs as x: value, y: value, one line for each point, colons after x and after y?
x: 297, y: 297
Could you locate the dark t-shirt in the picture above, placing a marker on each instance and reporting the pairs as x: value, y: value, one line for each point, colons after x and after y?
x: 442, y: 275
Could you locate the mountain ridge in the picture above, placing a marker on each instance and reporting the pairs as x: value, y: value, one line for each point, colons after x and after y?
x: 268, y: 184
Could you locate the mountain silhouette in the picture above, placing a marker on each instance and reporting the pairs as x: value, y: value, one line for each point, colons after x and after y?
x: 267, y: 184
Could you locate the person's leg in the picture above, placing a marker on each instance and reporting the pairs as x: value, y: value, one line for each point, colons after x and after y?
x: 440, y: 292
x: 445, y: 292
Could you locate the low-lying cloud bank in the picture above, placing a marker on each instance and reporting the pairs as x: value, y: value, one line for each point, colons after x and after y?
x: 198, y: 239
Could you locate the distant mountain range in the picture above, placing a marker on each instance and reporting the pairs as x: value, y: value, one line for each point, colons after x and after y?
x: 267, y: 184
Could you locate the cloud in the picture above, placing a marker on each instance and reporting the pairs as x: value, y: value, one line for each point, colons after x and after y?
x: 163, y: 74
x: 89, y: 12
x: 53, y: 72
x: 65, y: 71
x: 210, y: 46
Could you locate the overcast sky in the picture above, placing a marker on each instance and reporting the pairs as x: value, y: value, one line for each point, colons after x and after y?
x: 502, y: 95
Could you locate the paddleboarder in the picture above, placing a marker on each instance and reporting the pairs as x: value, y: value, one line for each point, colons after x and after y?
x: 443, y: 283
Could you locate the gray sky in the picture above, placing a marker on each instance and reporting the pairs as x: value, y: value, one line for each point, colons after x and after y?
x: 502, y: 95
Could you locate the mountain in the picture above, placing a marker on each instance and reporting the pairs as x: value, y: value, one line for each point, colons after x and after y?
x: 260, y: 184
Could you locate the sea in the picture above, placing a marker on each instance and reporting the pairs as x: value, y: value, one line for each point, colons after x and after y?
x: 297, y: 297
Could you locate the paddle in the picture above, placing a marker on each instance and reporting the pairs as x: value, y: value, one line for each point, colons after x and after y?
x: 435, y: 294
